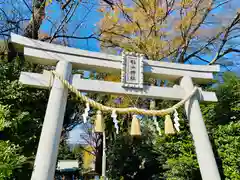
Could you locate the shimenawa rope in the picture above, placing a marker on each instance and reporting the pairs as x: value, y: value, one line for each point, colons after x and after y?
x: 134, y: 110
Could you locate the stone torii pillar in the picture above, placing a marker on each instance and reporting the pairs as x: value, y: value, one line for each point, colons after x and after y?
x: 46, y: 157
x: 205, y: 156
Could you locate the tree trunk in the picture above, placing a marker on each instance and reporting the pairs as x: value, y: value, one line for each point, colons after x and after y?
x: 38, y: 14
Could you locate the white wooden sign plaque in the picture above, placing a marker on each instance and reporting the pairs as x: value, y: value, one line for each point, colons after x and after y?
x: 132, y: 70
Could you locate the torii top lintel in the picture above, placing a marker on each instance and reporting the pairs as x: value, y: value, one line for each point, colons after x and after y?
x: 49, y: 54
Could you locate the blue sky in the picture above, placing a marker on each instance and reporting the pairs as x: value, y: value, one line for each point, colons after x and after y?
x: 75, y: 135
x: 88, y: 24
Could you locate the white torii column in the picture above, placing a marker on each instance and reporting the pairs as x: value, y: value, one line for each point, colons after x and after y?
x: 45, y: 162
x: 205, y: 156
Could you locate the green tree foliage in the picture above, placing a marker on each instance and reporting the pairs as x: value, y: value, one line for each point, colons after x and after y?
x: 10, y: 157
x: 64, y: 151
x: 179, y: 156
x: 223, y: 119
x: 26, y: 108
x: 78, y: 155
x: 132, y: 158
x: 26, y: 113
x: 226, y: 138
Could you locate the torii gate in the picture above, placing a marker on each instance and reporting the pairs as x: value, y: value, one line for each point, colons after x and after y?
x: 66, y: 58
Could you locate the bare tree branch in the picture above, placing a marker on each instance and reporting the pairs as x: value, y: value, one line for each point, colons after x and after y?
x: 204, y: 60
x: 69, y: 37
x: 61, y: 23
x: 24, y: 1
x: 225, y: 39
x: 66, y: 4
x: 110, y: 3
x: 188, y: 35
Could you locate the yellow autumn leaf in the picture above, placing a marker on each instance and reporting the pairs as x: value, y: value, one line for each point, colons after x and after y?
x: 186, y: 3
x: 48, y: 2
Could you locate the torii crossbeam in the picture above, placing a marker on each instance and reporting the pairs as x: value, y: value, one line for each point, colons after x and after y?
x: 66, y: 58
